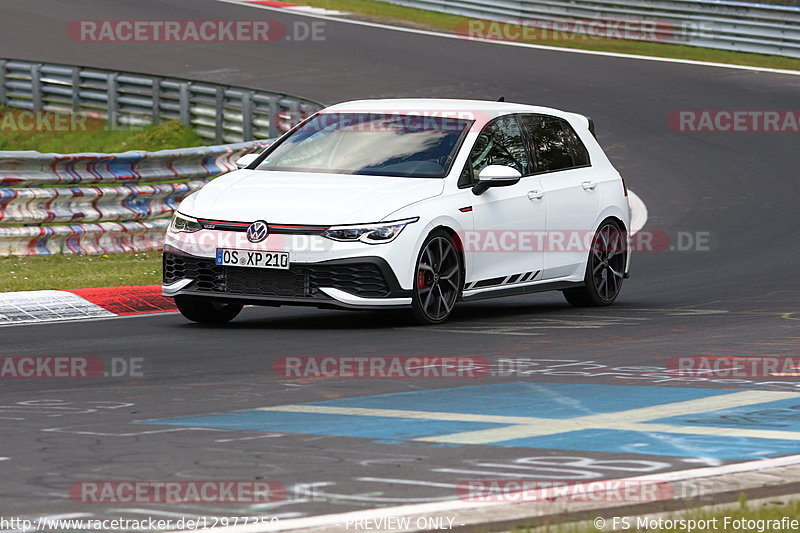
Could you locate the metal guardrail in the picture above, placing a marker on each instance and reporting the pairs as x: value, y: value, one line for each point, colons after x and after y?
x: 127, y: 211
x: 721, y: 24
x: 216, y: 112
x: 98, y: 203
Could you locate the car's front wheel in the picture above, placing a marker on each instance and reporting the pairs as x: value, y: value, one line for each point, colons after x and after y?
x: 207, y: 311
x: 605, y: 268
x: 437, y: 280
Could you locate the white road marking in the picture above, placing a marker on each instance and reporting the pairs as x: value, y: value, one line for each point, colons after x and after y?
x: 522, y: 45
x: 131, y: 434
x: 93, y: 319
x: 456, y: 506
x: 409, y: 482
x: 633, y: 420
x: 270, y: 436
x: 638, y: 212
x: 524, y: 427
x: 398, y: 413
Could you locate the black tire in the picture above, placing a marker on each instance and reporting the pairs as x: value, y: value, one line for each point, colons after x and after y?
x: 605, y: 268
x: 207, y: 311
x: 438, y: 279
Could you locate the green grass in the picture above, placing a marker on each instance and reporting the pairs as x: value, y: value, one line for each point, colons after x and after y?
x: 744, y: 510
x: 79, y: 271
x: 418, y: 18
x: 96, y: 138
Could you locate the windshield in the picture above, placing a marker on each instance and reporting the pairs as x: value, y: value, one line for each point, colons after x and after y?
x: 374, y: 144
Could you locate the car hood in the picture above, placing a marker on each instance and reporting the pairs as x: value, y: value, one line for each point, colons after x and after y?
x: 300, y: 198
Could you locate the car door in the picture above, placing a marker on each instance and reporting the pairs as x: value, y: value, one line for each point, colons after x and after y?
x: 502, y: 248
x: 569, y: 190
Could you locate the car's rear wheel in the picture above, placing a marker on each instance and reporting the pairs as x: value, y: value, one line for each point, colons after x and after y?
x: 437, y: 282
x: 207, y: 311
x: 605, y: 269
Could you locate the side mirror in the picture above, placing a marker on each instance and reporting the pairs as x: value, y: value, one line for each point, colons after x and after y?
x: 246, y: 160
x: 496, y: 176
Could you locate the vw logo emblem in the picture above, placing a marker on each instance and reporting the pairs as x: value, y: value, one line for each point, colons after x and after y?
x: 257, y: 231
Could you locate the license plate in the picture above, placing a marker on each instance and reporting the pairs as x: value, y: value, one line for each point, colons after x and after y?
x: 252, y: 259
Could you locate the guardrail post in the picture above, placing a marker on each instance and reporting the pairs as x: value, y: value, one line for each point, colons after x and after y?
x: 36, y: 86
x: 247, y: 115
x: 220, y: 109
x: 184, y: 95
x: 156, y: 95
x: 2, y: 82
x: 76, y: 88
x: 111, y: 102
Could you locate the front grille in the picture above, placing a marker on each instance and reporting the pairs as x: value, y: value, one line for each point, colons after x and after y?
x: 266, y: 282
x: 361, y: 279
x: 206, y: 275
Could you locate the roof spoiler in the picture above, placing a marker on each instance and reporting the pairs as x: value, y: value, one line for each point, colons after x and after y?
x: 591, y: 127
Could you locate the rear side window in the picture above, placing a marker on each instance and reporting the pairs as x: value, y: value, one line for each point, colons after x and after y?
x: 554, y: 144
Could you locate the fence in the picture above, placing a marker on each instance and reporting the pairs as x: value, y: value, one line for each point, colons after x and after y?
x: 98, y: 203
x: 216, y: 112
x: 721, y: 24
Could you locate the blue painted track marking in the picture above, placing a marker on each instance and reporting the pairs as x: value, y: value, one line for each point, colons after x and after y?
x: 673, y: 421
x: 373, y: 427
x: 541, y: 400
x: 781, y: 415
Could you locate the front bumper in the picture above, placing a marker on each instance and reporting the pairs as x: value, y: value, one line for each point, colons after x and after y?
x: 362, y: 283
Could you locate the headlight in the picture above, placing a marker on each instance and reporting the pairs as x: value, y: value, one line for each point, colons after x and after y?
x: 183, y: 223
x: 369, y: 233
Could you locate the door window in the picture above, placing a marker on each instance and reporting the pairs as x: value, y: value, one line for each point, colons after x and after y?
x: 500, y: 143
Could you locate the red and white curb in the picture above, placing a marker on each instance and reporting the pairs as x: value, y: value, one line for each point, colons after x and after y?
x: 49, y: 306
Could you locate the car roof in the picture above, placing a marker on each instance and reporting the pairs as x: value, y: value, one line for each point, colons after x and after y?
x: 445, y: 105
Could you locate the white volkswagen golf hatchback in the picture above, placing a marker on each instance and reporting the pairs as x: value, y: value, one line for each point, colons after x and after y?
x: 415, y: 204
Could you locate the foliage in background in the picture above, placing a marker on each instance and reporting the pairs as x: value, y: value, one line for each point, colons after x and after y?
x: 64, y: 271
x: 167, y: 135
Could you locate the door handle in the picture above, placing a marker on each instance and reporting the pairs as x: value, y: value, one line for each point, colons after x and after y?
x: 535, y: 195
x: 588, y: 185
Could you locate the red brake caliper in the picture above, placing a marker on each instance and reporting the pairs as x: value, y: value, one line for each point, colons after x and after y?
x: 421, y: 279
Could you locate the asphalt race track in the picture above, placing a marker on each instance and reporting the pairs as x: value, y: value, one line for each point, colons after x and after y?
x: 195, y: 414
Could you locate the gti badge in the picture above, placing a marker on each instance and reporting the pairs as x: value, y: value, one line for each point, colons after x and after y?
x: 257, y: 231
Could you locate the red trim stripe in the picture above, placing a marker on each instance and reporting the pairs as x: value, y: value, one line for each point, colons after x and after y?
x: 246, y: 224
x: 296, y: 226
x: 222, y: 222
